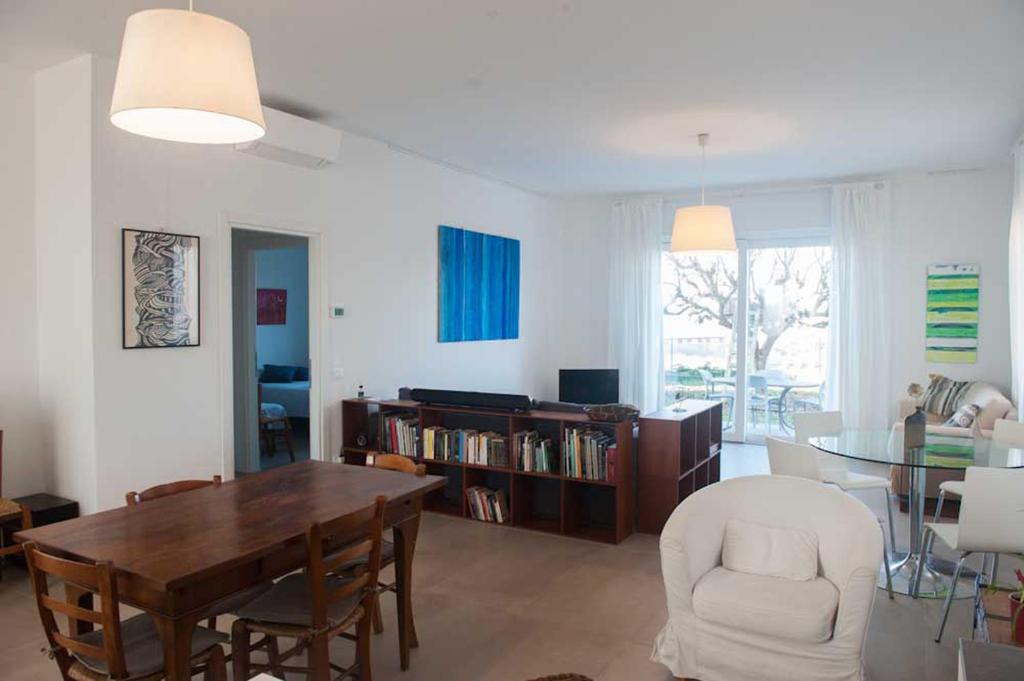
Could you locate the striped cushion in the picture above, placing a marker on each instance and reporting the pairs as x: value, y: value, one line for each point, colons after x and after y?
x: 944, y: 395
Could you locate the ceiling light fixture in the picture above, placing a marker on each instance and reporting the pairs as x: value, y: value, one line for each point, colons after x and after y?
x: 703, y: 228
x: 184, y: 76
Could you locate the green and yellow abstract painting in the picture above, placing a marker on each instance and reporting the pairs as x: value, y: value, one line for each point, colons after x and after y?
x: 952, y: 327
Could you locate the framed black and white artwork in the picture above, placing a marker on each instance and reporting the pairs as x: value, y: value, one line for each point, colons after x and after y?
x: 160, y: 289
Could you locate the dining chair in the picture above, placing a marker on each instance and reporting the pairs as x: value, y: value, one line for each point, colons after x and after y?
x: 131, y: 649
x: 801, y: 461
x: 991, y: 521
x: 710, y: 393
x: 225, y: 605
x: 10, y: 511
x: 274, y: 423
x: 317, y: 605
x: 400, y: 464
x: 1005, y: 432
x: 833, y: 468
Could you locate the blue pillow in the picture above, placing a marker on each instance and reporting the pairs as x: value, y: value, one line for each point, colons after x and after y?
x: 301, y: 373
x: 273, y: 373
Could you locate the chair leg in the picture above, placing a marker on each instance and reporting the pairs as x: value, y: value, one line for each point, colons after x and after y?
x: 892, y: 528
x: 320, y: 658
x: 951, y: 594
x: 240, y: 651
x: 216, y: 668
x: 925, y: 544
x: 885, y: 564
x: 274, y: 656
x: 378, y: 618
x: 291, y: 447
x: 938, y: 505
x: 212, y: 623
x: 363, y: 635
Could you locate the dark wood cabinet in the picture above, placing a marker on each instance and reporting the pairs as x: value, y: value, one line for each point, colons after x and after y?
x: 678, y: 455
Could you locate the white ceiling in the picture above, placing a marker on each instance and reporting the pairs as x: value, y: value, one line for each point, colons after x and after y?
x: 584, y: 96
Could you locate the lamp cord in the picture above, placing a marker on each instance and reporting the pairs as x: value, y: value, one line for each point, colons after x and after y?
x: 702, y: 152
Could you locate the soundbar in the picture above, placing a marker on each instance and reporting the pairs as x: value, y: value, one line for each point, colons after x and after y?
x: 462, y: 398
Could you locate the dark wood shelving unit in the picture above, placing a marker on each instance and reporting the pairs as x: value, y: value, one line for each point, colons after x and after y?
x: 548, y: 502
x: 679, y: 454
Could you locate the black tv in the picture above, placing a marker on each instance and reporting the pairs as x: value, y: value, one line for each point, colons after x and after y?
x: 588, y: 386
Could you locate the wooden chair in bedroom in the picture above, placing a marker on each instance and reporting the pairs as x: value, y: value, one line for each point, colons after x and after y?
x: 10, y: 510
x: 274, y: 424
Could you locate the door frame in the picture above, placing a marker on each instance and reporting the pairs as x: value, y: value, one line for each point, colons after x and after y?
x: 317, y: 278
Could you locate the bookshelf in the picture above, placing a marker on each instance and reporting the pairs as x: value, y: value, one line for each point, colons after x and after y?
x: 548, y: 501
x: 679, y: 454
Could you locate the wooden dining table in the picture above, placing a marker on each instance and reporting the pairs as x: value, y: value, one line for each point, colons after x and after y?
x: 176, y: 556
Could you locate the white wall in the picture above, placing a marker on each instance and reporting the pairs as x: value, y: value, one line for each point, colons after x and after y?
x: 951, y: 218
x: 64, y: 276
x: 159, y: 411
x: 24, y: 458
x: 288, y: 343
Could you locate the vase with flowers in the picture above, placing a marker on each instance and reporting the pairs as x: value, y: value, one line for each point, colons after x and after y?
x: 1017, y: 610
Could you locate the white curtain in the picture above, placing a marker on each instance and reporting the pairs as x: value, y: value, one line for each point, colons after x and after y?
x: 1017, y: 276
x: 634, y: 315
x: 859, y: 360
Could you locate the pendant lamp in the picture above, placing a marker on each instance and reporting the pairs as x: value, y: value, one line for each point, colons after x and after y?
x: 703, y: 227
x: 184, y: 76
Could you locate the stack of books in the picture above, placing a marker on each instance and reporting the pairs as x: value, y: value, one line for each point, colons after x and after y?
x: 401, y: 434
x: 465, y: 446
x: 533, y: 454
x: 589, y: 455
x: 488, y: 505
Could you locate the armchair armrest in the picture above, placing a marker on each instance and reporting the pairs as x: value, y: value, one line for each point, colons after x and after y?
x: 907, y: 407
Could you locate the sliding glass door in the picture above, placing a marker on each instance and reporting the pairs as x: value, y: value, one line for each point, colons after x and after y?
x: 749, y: 329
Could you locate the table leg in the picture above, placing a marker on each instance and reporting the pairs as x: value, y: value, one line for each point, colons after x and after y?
x: 176, y: 634
x: 76, y: 595
x: 405, y: 546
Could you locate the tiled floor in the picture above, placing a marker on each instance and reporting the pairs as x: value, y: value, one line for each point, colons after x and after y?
x: 504, y: 604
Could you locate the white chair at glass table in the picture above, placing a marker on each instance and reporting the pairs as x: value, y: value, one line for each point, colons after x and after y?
x: 711, y: 392
x: 991, y: 522
x: 1005, y: 432
x: 803, y: 461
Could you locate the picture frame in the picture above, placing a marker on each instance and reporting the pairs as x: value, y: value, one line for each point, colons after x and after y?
x: 160, y: 290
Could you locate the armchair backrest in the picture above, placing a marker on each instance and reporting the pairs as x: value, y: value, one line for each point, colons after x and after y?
x: 1009, y: 432
x: 790, y: 458
x: 849, y: 536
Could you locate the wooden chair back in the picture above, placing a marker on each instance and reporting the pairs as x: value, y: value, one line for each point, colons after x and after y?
x: 397, y: 462
x: 368, y: 526
x: 97, y: 579
x: 169, y: 489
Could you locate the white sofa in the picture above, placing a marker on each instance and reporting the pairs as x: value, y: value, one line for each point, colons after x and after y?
x: 733, y: 626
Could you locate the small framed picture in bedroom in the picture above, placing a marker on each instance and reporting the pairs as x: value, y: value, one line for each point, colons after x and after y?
x: 159, y: 289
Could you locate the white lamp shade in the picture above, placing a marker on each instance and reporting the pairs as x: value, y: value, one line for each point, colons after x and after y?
x: 186, y: 77
x: 703, y: 228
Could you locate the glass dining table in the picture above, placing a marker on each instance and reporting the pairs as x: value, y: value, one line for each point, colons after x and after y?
x: 940, y: 452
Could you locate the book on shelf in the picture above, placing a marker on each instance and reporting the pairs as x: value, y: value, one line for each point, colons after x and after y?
x: 533, y: 454
x: 488, y: 505
x: 465, y: 446
x: 401, y: 434
x: 585, y: 455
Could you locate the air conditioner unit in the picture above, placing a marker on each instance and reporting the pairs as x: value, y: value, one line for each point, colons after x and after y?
x: 294, y: 140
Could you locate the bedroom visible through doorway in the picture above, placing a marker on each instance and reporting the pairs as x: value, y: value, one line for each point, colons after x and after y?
x: 272, y: 381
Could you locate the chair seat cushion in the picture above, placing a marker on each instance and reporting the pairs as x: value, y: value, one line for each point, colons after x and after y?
x: 952, y: 487
x: 143, y: 649
x: 289, y: 602
x: 771, y: 606
x: 949, y: 533
x: 272, y: 410
x: 387, y: 557
x: 233, y: 602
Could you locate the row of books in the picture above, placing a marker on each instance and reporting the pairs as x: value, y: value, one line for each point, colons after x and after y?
x: 401, y: 435
x: 465, y: 446
x: 589, y: 455
x: 533, y: 453
x: 487, y: 504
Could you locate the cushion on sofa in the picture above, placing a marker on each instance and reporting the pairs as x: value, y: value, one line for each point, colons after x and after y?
x: 776, y: 607
x: 964, y: 416
x: 275, y: 373
x: 944, y: 395
x: 758, y: 549
x: 994, y: 406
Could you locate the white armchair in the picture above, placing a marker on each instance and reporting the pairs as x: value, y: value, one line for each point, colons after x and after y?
x: 734, y: 626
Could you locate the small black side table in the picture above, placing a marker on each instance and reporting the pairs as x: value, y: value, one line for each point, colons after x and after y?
x: 46, y: 510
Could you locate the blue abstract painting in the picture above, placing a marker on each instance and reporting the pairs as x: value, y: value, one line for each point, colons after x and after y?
x: 478, y: 290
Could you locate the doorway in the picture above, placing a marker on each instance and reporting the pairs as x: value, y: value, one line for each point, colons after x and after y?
x: 274, y: 386
x: 749, y: 329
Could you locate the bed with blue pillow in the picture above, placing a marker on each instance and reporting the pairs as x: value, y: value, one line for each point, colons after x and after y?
x: 287, y: 386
